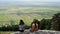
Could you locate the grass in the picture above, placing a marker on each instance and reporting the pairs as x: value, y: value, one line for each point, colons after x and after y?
x: 1, y: 32
x: 26, y: 13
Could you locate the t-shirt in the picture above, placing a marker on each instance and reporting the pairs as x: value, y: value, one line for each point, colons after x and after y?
x: 21, y: 27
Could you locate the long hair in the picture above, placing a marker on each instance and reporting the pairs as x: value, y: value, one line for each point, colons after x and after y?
x: 21, y: 22
x: 34, y: 22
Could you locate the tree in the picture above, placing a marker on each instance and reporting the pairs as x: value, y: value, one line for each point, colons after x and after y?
x: 45, y: 24
x: 48, y: 24
x: 55, y: 22
x: 42, y: 24
x: 12, y: 22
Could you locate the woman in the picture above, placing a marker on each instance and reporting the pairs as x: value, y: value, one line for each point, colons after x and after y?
x: 34, y: 26
x: 21, y: 26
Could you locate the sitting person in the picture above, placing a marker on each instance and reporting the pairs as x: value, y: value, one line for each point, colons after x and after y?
x: 34, y: 26
x: 21, y: 26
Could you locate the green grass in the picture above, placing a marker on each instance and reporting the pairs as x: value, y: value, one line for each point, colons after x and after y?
x: 27, y: 14
x: 33, y: 12
x: 1, y: 32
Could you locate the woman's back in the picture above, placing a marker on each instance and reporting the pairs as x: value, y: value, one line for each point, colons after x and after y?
x: 21, y: 26
x: 34, y: 27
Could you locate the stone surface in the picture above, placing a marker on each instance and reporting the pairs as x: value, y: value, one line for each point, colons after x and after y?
x: 38, y: 32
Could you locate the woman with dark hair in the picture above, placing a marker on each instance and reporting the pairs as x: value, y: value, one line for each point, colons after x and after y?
x: 21, y: 26
x: 34, y: 26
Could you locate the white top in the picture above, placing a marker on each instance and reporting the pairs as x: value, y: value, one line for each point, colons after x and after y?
x: 21, y: 27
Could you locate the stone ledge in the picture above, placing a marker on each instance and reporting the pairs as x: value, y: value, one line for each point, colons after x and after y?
x: 38, y: 32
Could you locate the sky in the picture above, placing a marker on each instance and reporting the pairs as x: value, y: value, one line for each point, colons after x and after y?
x: 28, y: 2
x: 34, y: 0
x: 41, y: 0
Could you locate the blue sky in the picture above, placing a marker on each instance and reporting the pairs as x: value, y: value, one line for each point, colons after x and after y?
x: 34, y: 0
x: 29, y: 2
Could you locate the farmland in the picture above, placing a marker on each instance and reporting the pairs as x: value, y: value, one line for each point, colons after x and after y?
x: 26, y: 13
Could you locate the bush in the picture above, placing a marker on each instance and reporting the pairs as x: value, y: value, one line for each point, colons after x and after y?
x: 45, y: 24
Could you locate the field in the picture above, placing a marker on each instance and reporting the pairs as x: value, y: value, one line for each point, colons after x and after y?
x: 1, y: 32
x: 27, y: 14
x: 12, y: 11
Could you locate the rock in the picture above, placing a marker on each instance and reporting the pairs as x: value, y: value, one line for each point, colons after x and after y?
x: 38, y: 32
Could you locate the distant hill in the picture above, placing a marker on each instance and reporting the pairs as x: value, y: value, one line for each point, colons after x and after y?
x: 16, y: 3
